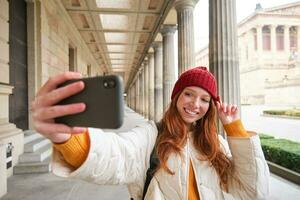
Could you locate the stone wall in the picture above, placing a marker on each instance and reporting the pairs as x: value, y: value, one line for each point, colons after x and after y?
x: 8, y: 132
x: 58, y: 33
x: 50, y: 34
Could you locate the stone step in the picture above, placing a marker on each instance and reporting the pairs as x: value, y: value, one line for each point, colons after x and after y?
x: 35, y: 144
x: 31, y: 136
x: 37, y: 156
x: 36, y: 167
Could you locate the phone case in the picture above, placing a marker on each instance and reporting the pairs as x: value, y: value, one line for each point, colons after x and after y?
x: 103, y: 96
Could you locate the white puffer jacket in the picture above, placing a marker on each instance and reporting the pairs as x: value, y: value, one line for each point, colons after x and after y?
x: 123, y: 158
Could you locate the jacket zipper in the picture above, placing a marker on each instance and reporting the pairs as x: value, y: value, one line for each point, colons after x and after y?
x: 196, y: 178
x: 188, y: 168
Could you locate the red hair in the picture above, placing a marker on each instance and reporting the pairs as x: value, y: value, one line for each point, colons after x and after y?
x: 173, y: 138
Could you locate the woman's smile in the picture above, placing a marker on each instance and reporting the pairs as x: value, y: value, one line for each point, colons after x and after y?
x: 190, y: 112
x: 192, y: 104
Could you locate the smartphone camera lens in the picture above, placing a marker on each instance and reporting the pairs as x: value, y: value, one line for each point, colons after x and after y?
x: 105, y: 84
x: 109, y: 83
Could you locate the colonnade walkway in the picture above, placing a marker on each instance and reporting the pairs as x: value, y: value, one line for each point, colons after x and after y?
x: 49, y: 187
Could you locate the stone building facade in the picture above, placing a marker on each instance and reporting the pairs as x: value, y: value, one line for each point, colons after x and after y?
x: 37, y: 40
x: 269, y: 56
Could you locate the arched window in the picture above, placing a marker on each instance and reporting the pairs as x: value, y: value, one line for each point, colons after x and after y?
x: 266, y: 38
x: 280, y: 38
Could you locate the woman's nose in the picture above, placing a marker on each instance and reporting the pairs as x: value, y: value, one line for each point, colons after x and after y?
x: 196, y: 102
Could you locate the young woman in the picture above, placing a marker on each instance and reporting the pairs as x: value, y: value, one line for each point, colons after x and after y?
x: 194, y: 161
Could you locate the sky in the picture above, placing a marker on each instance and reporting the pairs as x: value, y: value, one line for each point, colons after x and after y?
x: 244, y: 8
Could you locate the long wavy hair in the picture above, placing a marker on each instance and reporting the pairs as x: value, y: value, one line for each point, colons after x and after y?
x: 173, y: 137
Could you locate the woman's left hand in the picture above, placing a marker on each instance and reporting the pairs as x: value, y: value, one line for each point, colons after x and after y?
x: 227, y: 112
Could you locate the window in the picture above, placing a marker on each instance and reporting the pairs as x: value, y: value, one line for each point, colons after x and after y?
x: 89, y: 70
x: 72, y: 59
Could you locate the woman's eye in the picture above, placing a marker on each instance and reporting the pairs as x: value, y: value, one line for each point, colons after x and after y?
x: 206, y: 100
x: 187, y: 94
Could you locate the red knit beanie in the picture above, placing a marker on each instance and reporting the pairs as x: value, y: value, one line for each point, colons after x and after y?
x: 198, y: 76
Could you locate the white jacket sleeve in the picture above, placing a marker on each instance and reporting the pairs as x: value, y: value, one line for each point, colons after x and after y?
x: 250, y: 168
x: 121, y: 158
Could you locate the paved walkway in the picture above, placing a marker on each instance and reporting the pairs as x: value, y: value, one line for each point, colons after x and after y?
x: 50, y: 187
x: 278, y: 127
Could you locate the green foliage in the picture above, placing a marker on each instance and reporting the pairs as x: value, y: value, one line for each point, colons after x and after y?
x: 274, y: 112
x: 281, y: 151
x: 295, y: 112
x: 291, y: 112
x: 265, y: 136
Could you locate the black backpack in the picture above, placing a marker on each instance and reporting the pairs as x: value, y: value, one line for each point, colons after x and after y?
x: 154, y: 162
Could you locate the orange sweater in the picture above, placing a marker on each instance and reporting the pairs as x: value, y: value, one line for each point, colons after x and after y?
x: 75, y: 151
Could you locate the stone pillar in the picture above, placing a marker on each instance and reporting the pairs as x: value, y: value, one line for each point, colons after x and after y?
x: 137, y: 93
x: 127, y: 98
x: 250, y: 39
x: 146, y: 89
x: 273, y: 38
x: 133, y: 96
x: 130, y: 96
x: 34, y: 58
x: 298, y: 42
x: 141, y: 89
x: 169, y: 76
x: 287, y: 39
x: 158, y: 87
x: 259, y: 39
x: 223, y: 54
x: 185, y: 20
x: 132, y: 90
x: 151, y: 86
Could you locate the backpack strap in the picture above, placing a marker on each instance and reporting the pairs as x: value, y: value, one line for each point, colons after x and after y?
x: 154, y: 162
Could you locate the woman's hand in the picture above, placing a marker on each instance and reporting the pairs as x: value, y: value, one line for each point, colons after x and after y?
x: 227, y: 113
x: 44, y: 109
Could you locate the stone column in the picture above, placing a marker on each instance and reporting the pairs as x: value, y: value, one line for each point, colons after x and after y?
x: 146, y: 89
x: 169, y: 76
x: 127, y: 98
x: 158, y: 86
x: 141, y: 89
x: 34, y: 58
x: 151, y: 86
x: 273, y: 38
x: 259, y: 39
x: 287, y: 39
x: 223, y: 54
x: 185, y: 20
x: 133, y: 96
x: 250, y: 39
x: 298, y: 42
x: 137, y: 93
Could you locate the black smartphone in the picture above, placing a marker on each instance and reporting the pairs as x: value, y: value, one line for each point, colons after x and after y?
x: 103, y: 97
